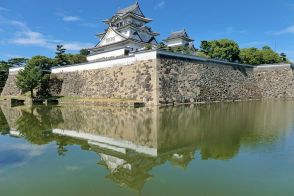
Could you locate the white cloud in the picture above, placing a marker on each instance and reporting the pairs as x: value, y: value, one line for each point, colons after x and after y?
x: 159, y: 5
x: 71, y: 18
x: 27, y: 37
x: 288, y: 30
x: 27, y: 151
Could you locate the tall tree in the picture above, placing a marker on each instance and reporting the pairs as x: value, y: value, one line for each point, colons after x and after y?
x: 223, y: 49
x: 29, y: 78
x: 60, y: 58
x: 43, y: 62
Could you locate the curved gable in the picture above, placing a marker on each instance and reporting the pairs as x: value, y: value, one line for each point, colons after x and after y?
x: 111, y: 37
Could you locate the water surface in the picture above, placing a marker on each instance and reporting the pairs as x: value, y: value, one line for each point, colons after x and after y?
x: 219, y: 149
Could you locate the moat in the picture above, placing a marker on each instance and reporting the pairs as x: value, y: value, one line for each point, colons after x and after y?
x: 244, y: 148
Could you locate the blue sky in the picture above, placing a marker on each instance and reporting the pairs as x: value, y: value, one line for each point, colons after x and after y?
x: 34, y: 27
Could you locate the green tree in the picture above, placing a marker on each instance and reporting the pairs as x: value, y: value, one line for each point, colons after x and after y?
x: 201, y: 54
x: 266, y: 48
x: 84, y: 52
x: 75, y: 58
x: 43, y: 62
x: 4, y: 67
x: 29, y: 78
x: 17, y: 62
x: 251, y: 56
x: 148, y: 47
x: 283, y: 57
x: 254, y: 56
x: 269, y: 56
x: 60, y: 58
x: 161, y: 45
x: 223, y: 49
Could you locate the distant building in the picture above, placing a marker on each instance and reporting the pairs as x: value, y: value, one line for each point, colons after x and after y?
x: 178, y: 39
x: 126, y: 33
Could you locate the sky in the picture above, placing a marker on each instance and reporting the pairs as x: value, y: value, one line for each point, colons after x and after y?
x: 35, y: 27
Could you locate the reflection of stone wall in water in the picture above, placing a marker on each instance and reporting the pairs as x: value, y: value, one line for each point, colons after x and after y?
x: 4, y: 127
x: 218, y: 130
x: 135, y: 125
x: 12, y: 115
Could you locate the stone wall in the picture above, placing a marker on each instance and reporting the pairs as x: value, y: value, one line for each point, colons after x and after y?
x: 187, y: 81
x: 160, y: 77
x: 136, y: 81
x: 184, y: 81
x: 275, y: 82
x: 10, y: 88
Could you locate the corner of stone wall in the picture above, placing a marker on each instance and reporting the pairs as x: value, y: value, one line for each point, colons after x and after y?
x: 156, y: 82
x: 10, y: 88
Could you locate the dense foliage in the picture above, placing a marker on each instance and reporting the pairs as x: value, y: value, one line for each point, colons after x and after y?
x: 4, y: 66
x: 36, y: 69
x: 266, y: 55
x: 229, y: 50
x: 62, y: 59
x: 29, y: 78
x: 224, y: 49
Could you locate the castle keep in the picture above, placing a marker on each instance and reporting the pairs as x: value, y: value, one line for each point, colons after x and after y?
x: 121, y: 66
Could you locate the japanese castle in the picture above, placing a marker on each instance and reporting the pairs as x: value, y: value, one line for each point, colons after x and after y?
x: 127, y: 33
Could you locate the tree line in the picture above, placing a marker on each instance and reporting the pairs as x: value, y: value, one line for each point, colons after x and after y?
x: 229, y: 50
x: 36, y: 72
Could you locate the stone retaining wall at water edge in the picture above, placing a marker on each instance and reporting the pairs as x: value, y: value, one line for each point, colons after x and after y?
x: 161, y: 77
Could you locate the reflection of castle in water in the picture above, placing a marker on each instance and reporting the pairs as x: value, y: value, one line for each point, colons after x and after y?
x: 131, y: 142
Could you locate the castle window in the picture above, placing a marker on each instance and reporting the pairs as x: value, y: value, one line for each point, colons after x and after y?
x: 110, y: 39
x: 119, y: 24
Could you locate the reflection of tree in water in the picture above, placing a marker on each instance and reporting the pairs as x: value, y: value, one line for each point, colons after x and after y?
x: 217, y: 131
x: 4, y: 127
x: 35, y: 125
x: 129, y: 170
